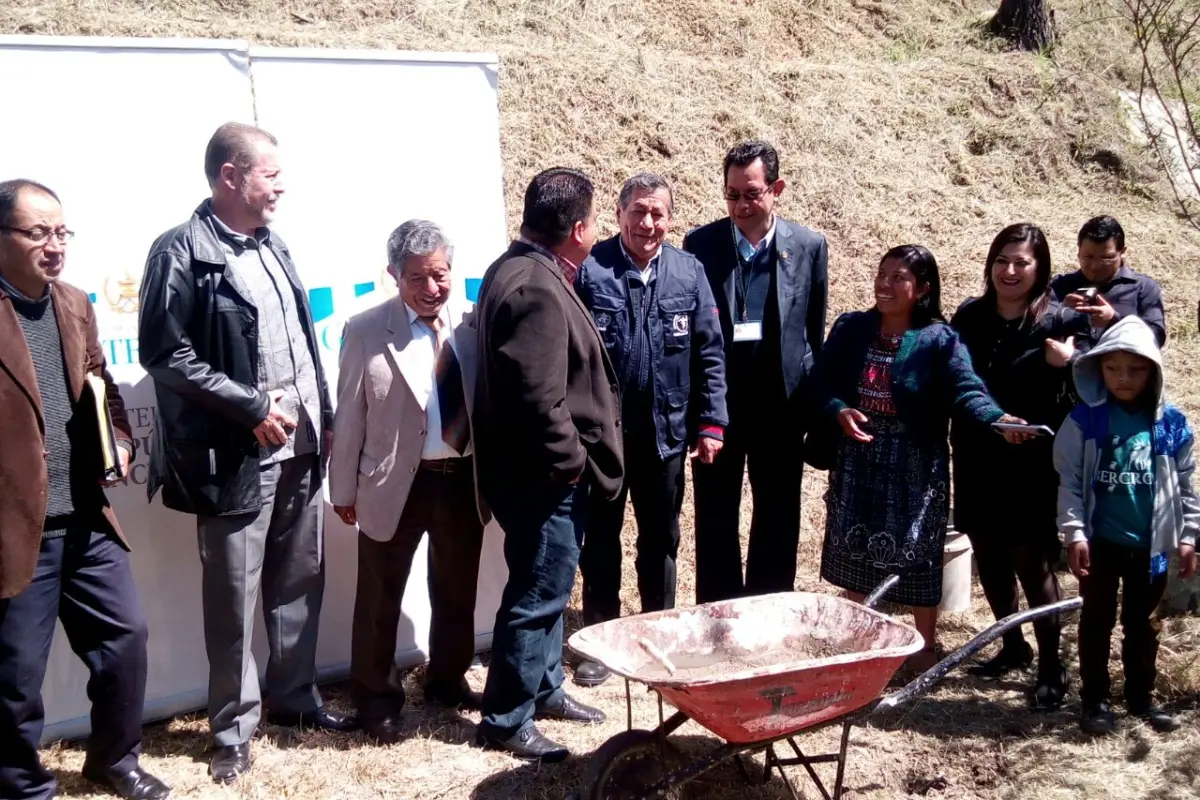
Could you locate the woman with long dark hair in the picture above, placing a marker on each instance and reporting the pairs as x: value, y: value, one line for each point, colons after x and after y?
x: 1005, y: 494
x: 890, y: 379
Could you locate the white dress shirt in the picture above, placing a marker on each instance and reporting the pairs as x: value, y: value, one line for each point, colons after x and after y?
x: 422, y: 359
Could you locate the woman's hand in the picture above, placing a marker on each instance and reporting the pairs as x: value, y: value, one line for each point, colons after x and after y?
x: 1014, y: 437
x: 1059, y: 354
x: 851, y: 420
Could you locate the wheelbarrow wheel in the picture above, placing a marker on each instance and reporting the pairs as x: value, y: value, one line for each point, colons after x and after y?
x: 627, y: 765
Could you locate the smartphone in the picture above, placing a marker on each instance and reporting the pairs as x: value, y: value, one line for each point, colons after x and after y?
x: 1089, y: 294
x: 1037, y: 430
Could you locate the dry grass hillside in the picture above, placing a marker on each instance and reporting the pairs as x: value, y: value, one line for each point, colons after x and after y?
x: 897, y: 120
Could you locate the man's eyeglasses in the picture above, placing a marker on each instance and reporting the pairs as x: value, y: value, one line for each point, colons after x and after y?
x: 41, y: 233
x: 751, y: 195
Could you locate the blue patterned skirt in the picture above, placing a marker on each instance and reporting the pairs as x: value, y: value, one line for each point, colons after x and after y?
x: 886, y: 512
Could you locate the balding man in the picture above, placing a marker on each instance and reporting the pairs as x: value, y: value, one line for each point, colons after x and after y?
x: 62, y: 554
x: 244, y: 416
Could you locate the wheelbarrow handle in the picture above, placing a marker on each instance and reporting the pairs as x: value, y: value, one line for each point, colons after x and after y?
x: 926, y: 680
x: 879, y: 591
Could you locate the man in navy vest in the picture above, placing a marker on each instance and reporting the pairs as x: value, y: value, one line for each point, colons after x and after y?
x: 657, y: 316
x: 770, y: 277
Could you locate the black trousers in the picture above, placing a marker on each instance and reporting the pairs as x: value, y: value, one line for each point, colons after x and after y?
x: 1114, y: 568
x: 1002, y: 562
x: 771, y: 449
x: 444, y: 505
x: 656, y: 487
x: 83, y: 579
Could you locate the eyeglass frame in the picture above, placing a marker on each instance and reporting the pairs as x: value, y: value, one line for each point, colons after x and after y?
x: 759, y: 194
x: 63, y: 235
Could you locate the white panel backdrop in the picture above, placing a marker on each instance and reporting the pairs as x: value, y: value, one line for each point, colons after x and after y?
x: 367, y: 140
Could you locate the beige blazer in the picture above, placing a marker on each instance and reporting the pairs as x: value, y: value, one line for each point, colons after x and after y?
x: 378, y: 425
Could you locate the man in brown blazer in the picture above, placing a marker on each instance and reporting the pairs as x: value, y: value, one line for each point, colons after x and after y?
x: 402, y: 466
x: 547, y: 429
x: 62, y: 554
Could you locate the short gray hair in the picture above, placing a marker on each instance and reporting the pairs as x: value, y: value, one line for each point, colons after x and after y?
x: 648, y: 182
x: 417, y: 237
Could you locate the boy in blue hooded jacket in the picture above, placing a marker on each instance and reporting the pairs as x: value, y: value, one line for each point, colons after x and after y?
x: 1125, y: 503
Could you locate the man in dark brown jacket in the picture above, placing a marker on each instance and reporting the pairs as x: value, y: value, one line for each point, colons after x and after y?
x: 546, y: 431
x: 62, y: 554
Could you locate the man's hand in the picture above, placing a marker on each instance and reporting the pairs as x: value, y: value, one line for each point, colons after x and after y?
x: 274, y: 429
x: 1187, y: 560
x: 126, y: 457
x: 852, y: 420
x: 1079, y: 559
x: 1097, y: 308
x: 707, y: 449
x: 1059, y: 354
x: 346, y: 514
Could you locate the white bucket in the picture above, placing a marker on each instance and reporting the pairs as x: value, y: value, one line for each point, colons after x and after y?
x: 956, y: 573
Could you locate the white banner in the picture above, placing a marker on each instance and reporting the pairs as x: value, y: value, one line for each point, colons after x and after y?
x: 367, y: 141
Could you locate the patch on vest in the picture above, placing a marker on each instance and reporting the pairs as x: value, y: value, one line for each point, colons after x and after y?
x: 602, y: 320
x: 680, y: 324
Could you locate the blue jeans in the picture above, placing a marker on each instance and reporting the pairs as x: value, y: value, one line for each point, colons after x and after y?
x: 542, y: 537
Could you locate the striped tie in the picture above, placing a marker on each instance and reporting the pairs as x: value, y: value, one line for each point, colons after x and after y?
x: 456, y: 430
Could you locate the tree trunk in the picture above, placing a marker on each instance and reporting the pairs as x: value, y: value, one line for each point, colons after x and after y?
x: 1029, y: 24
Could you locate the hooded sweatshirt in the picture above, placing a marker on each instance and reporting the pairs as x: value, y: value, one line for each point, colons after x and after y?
x: 1080, y: 442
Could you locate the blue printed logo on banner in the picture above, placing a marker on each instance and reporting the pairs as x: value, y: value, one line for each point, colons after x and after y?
x: 118, y: 327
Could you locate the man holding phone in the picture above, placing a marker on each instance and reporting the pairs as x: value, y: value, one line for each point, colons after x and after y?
x: 243, y: 431
x: 1105, y: 288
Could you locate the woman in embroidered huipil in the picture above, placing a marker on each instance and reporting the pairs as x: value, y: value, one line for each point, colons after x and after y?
x: 891, y: 378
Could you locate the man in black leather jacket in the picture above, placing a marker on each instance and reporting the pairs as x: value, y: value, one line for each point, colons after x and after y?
x: 244, y: 420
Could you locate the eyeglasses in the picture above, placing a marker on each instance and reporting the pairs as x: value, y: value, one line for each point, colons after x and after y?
x: 41, y: 233
x: 751, y: 195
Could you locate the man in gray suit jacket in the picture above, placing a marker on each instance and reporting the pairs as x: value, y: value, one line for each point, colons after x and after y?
x: 402, y: 466
x: 770, y: 278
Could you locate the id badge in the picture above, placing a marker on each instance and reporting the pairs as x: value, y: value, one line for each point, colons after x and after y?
x: 747, y: 332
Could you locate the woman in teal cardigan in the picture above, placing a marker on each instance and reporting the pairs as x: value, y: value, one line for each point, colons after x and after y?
x: 891, y: 379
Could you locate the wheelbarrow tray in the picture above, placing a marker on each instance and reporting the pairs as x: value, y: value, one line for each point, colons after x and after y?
x: 757, y: 668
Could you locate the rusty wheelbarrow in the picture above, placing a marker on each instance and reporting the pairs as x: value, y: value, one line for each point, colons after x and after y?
x: 756, y: 671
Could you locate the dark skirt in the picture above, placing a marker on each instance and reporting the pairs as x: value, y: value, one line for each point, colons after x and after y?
x: 886, y: 512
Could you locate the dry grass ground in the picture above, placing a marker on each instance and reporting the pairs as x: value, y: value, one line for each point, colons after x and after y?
x: 898, y: 120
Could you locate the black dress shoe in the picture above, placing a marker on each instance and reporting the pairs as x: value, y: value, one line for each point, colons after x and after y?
x: 134, y: 785
x: 569, y: 709
x: 321, y: 719
x: 229, y: 762
x: 1155, y: 717
x: 530, y: 744
x: 454, y: 695
x: 591, y: 673
x: 1098, y: 719
x: 384, y: 730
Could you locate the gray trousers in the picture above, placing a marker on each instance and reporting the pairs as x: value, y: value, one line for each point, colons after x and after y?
x: 279, y: 549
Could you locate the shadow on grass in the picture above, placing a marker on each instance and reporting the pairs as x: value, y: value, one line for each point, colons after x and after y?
x: 564, y: 781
